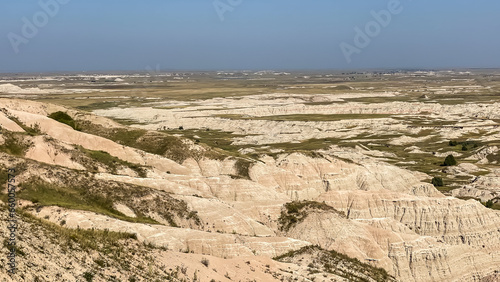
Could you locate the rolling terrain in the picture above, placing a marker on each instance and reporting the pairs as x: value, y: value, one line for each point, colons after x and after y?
x: 254, y: 176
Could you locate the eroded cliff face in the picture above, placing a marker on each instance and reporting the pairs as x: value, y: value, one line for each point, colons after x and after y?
x: 415, y: 248
x: 382, y: 215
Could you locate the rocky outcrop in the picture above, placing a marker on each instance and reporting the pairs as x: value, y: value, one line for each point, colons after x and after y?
x: 410, y: 253
x: 177, y: 239
x: 484, y: 188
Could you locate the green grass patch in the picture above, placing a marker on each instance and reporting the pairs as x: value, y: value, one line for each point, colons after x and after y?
x: 309, y: 146
x: 88, y: 239
x: 32, y: 131
x: 14, y: 144
x: 4, y: 176
x: 376, y: 100
x: 494, y: 158
x: 19, y: 251
x: 112, y: 162
x: 158, y: 143
x: 99, y: 106
x: 464, y: 145
x: 214, y: 138
x: 77, y: 198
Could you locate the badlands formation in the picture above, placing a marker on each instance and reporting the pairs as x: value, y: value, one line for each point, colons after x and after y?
x: 266, y: 184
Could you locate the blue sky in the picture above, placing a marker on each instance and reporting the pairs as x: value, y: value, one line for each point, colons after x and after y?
x: 255, y: 34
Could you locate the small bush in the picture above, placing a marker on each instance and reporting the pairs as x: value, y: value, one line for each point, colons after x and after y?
x: 16, y: 248
x: 437, y: 182
x: 14, y: 145
x: 100, y: 262
x: 64, y: 118
x: 450, y: 161
x: 89, y: 276
x: 242, y: 168
x: 32, y: 131
x: 489, y: 204
x: 452, y: 143
x: 205, y: 262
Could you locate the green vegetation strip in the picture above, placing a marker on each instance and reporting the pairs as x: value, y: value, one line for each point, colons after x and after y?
x: 98, y: 240
x: 158, y: 143
x: 14, y: 144
x: 308, y: 117
x: 336, y: 263
x: 77, y: 198
x: 112, y: 162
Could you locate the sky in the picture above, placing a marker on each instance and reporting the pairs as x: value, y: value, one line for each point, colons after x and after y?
x: 107, y: 35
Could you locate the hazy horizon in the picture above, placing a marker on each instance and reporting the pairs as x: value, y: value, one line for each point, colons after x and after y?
x: 145, y: 71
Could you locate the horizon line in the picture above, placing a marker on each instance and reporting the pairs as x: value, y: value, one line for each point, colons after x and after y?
x: 248, y: 70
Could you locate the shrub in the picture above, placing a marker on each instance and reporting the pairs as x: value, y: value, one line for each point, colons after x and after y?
x: 100, y: 262
x: 489, y: 204
x: 464, y: 147
x: 450, y: 161
x: 452, y: 143
x: 242, y: 168
x: 89, y: 276
x: 64, y: 118
x: 437, y: 182
x: 205, y: 262
x: 14, y: 144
